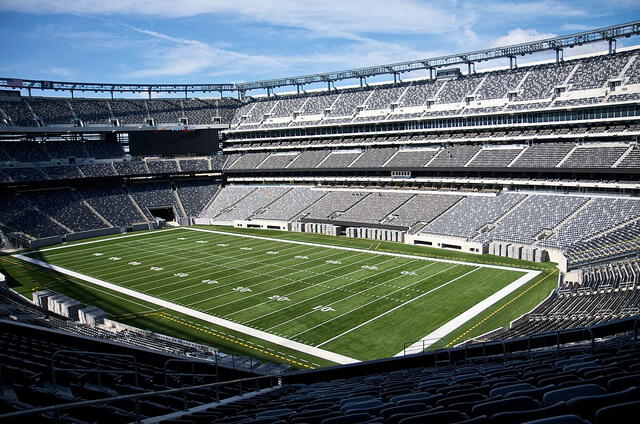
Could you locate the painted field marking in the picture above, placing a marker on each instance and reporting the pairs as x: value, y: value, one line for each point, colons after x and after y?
x: 397, y: 307
x: 353, y: 249
x: 311, y: 350
x: 470, y: 313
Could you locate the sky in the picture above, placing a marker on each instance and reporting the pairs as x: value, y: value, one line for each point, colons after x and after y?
x: 219, y: 41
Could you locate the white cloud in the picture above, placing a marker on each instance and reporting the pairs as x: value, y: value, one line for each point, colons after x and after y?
x: 519, y: 35
x: 60, y: 72
x: 333, y: 16
x: 179, y: 57
x: 176, y: 56
x: 525, y: 11
x: 575, y: 27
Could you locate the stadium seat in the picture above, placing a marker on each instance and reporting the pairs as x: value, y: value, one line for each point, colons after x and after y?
x: 516, y: 417
x: 617, y: 413
x: 522, y: 403
x: 559, y: 395
x: 561, y: 419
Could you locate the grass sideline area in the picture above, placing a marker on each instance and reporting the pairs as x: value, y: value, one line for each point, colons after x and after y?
x: 363, y: 294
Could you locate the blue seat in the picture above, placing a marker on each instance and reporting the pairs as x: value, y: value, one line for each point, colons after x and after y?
x: 414, y: 408
x: 503, y: 390
x: 536, y: 393
x: 471, y: 397
x: 516, y: 417
x: 522, y: 403
x: 410, y: 397
x: 620, y: 383
x: 371, y: 403
x: 285, y: 412
x: 433, y: 384
x: 356, y: 399
x: 619, y: 413
x: 349, y: 419
x: 441, y: 417
x: 586, y: 406
x: 313, y: 416
x: 567, y: 393
x: 561, y: 419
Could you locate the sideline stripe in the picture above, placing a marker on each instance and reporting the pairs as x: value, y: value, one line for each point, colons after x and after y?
x: 451, y: 343
x: 470, y: 313
x: 373, y: 252
x: 320, y: 353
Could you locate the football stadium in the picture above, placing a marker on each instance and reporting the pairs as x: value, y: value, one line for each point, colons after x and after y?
x: 450, y: 239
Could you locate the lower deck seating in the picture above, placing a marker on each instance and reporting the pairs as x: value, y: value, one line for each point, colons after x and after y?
x: 571, y: 386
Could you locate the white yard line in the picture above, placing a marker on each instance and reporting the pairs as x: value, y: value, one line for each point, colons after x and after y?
x: 310, y: 286
x: 275, y: 278
x: 320, y: 353
x: 373, y: 301
x: 373, y: 252
x: 342, y: 298
x: 397, y: 307
x: 146, y: 233
x: 469, y: 314
x: 426, y: 341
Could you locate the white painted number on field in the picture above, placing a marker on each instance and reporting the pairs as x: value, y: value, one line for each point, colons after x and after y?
x: 202, y: 241
x: 279, y: 298
x: 180, y: 274
x: 210, y: 281
x: 134, y: 263
x: 371, y: 267
x: 242, y: 289
x: 156, y: 268
x: 408, y: 273
x: 301, y: 257
x: 272, y: 252
x: 114, y: 258
x: 334, y: 262
x: 222, y: 245
x: 246, y: 248
x: 323, y: 308
x: 97, y: 254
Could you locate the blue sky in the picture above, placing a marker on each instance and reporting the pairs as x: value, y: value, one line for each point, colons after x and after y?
x: 209, y: 41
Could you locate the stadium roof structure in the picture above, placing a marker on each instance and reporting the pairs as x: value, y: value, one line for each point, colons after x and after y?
x: 610, y: 34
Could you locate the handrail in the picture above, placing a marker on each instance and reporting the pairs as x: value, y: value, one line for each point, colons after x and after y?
x: 136, y: 398
x: 554, y: 340
x: 192, y: 374
x: 98, y: 371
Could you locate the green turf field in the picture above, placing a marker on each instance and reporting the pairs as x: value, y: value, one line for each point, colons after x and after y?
x: 357, y: 304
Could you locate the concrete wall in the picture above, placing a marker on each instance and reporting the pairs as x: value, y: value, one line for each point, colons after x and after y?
x: 263, y: 224
x: 375, y: 233
x: 93, y: 233
x: 48, y: 241
x: 450, y: 243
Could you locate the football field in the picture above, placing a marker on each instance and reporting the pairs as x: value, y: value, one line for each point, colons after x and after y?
x: 339, y: 304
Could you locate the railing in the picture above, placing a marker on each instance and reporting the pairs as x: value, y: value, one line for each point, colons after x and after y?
x: 556, y: 340
x: 193, y: 374
x: 97, y: 370
x: 419, y: 346
x: 57, y: 412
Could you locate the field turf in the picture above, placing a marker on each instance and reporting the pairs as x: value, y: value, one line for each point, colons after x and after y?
x: 358, y: 304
